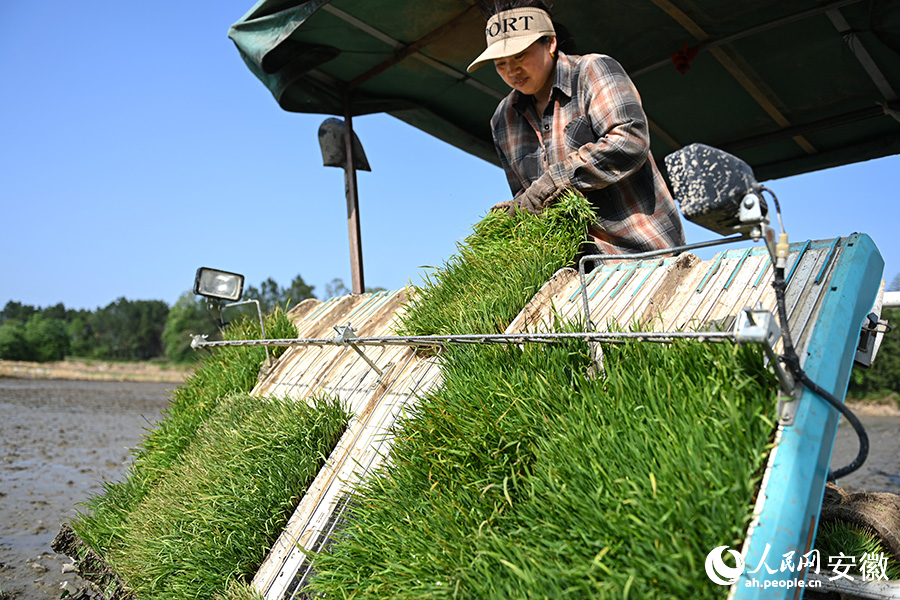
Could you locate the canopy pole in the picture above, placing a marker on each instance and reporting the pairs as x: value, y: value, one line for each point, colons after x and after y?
x: 356, y: 260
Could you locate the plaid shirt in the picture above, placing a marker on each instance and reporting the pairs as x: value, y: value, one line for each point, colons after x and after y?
x: 593, y: 137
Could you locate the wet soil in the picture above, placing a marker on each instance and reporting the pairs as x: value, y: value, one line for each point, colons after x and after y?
x: 59, y: 440
x: 881, y: 471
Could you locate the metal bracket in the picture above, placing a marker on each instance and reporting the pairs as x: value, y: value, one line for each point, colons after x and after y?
x: 760, y: 327
x: 757, y: 326
x: 787, y: 408
x: 873, y: 330
x: 345, y: 336
x: 751, y: 216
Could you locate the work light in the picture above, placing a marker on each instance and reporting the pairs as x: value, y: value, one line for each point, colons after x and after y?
x: 220, y: 285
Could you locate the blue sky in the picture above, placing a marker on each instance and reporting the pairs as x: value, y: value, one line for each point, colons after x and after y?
x: 136, y: 147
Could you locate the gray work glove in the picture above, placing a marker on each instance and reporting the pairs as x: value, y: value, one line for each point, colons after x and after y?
x: 539, y: 195
x: 504, y: 206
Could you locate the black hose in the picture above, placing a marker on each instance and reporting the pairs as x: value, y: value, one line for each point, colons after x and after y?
x: 792, y: 362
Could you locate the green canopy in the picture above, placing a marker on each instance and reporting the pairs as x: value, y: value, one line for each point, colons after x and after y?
x: 789, y: 86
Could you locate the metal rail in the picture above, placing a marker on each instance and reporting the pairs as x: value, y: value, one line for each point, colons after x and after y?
x: 475, y: 338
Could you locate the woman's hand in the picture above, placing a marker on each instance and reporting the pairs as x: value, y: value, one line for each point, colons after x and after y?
x: 539, y: 195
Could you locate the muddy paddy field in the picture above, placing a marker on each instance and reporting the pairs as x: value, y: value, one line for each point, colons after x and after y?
x: 60, y: 439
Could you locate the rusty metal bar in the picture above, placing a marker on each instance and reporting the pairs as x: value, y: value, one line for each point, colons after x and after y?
x: 356, y: 259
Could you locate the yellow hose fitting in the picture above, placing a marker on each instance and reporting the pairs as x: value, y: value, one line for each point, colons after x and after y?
x: 782, y: 248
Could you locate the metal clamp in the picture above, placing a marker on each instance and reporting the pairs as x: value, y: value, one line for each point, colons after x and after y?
x: 757, y: 326
x: 345, y: 336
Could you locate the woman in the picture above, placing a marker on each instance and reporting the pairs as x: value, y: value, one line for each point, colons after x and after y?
x: 575, y: 122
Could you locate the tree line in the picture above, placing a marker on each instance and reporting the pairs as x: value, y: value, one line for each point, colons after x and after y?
x: 134, y: 329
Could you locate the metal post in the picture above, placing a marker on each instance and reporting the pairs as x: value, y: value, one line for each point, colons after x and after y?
x: 356, y: 261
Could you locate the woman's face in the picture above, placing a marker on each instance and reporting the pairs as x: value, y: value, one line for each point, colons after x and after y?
x: 530, y: 72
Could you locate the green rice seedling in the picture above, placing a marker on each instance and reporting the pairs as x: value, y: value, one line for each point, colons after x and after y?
x: 239, y: 591
x: 524, y: 478
x: 839, y: 538
x: 223, y: 371
x: 497, y: 270
x: 214, y: 515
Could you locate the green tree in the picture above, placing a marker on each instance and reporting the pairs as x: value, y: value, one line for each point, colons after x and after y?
x: 127, y: 329
x: 13, y: 345
x: 151, y: 321
x: 298, y: 291
x: 57, y: 311
x: 190, y: 315
x: 81, y: 333
x: 268, y: 294
x: 16, y: 311
x: 47, y: 338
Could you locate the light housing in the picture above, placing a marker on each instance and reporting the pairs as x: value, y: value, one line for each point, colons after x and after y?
x: 220, y: 285
x: 716, y: 190
x: 333, y: 143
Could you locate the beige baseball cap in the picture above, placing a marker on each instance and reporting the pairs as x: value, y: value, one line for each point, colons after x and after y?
x: 510, y: 32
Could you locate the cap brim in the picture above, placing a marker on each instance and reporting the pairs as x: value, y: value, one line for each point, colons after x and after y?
x: 504, y: 48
